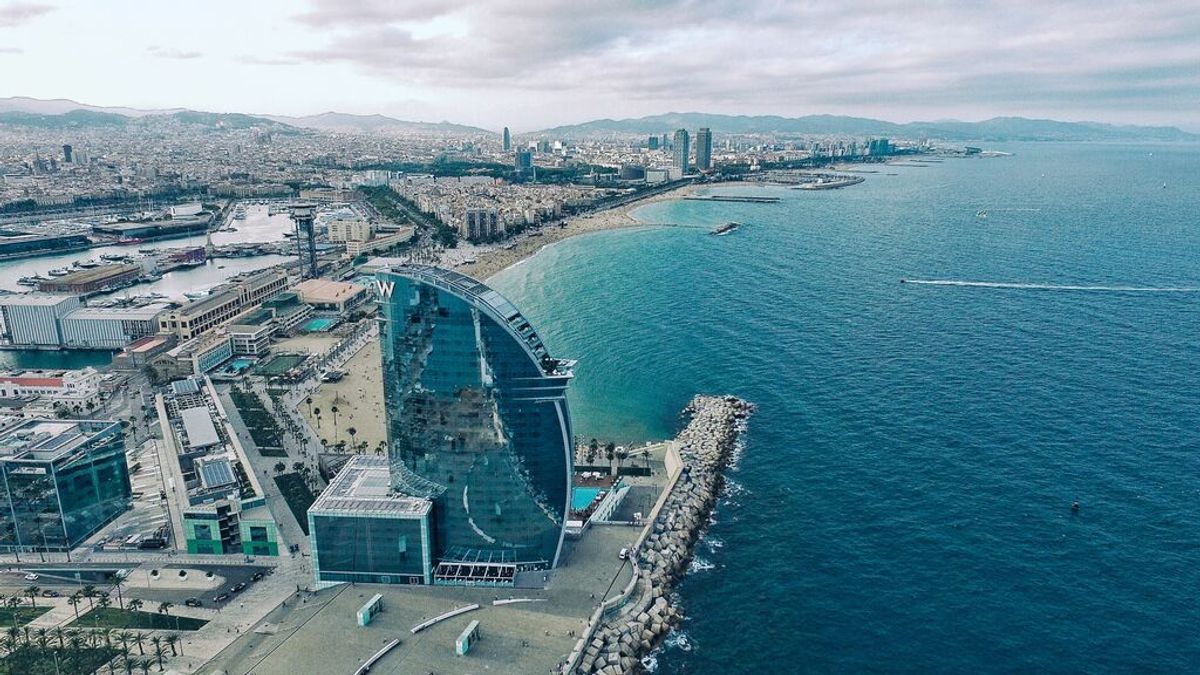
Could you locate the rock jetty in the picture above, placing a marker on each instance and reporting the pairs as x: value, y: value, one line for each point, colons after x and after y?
x: 626, y: 628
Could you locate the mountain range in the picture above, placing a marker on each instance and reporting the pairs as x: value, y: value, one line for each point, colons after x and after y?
x: 995, y: 129
x: 65, y: 113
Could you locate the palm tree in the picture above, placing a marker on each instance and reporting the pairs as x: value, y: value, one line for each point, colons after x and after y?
x: 60, y: 635
x: 145, y: 665
x: 120, y: 581
x: 89, y: 592
x: 159, y: 652
x: 316, y: 413
x: 42, y: 637
x: 13, y: 603
x: 135, y: 604
x: 32, y: 592
x: 165, y: 608
x: 73, y: 601
x: 171, y: 641
x: 124, y: 637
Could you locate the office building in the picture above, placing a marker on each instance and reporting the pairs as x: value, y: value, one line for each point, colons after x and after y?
x: 679, y: 152
x: 66, y: 154
x: 523, y: 161
x: 62, y: 481
x: 222, y: 305
x: 652, y: 143
x: 342, y: 230
x: 364, y: 532
x: 477, y: 422
x: 32, y: 319
x: 198, y: 355
x: 507, y: 140
x: 704, y: 149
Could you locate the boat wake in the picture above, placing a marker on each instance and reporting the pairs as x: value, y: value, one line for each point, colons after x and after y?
x: 1053, y: 287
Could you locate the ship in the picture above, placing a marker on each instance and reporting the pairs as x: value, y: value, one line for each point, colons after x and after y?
x: 59, y: 272
x: 239, y: 213
x: 726, y: 228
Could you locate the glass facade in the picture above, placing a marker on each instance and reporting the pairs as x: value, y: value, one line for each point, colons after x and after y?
x: 477, y: 417
x: 56, y: 490
x: 368, y: 548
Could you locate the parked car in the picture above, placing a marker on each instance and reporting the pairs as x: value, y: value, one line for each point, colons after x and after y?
x: 624, y: 554
x: 50, y: 593
x: 238, y: 588
x: 257, y: 576
x: 193, y: 602
x: 221, y: 598
x: 31, y: 577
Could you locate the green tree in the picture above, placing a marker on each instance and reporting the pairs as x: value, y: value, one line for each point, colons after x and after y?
x: 32, y: 592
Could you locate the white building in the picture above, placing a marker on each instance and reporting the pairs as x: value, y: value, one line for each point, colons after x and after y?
x: 33, y: 318
x: 109, y: 327
x: 70, y: 388
x: 350, y: 229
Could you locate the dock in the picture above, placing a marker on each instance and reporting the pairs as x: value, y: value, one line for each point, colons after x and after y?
x: 732, y: 198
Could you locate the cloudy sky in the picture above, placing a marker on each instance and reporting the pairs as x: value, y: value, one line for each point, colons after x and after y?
x: 535, y: 63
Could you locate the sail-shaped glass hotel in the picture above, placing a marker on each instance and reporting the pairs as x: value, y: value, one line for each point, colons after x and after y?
x: 478, y: 425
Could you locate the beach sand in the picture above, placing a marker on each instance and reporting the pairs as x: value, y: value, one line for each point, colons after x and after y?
x: 489, y: 262
x: 359, y: 399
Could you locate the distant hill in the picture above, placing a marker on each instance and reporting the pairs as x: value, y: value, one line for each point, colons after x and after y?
x: 335, y: 121
x: 67, y: 120
x: 995, y: 129
x: 59, y: 106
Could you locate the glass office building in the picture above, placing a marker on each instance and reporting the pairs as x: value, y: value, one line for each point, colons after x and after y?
x: 60, y: 482
x: 362, y: 531
x: 477, y: 422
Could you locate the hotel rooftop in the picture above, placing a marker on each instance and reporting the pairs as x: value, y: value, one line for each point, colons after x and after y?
x: 363, y: 487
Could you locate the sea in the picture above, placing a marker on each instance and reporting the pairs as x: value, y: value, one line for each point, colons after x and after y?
x: 904, y: 498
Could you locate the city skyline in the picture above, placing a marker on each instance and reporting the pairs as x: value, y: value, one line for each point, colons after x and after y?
x: 550, y: 64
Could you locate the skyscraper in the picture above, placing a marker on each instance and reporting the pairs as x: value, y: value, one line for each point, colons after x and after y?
x: 704, y: 149
x: 66, y: 154
x: 477, y: 420
x: 679, y: 147
x: 652, y: 143
x: 523, y: 161
x: 507, y: 140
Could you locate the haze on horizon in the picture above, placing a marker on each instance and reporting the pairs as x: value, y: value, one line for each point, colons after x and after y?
x: 530, y: 64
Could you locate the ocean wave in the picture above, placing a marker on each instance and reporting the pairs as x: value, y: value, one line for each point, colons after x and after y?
x: 1052, y: 287
x: 678, y: 640
x: 699, y: 564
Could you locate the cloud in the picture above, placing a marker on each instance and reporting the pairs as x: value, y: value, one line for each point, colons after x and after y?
x: 169, y: 53
x: 11, y: 50
x: 17, y: 13
x: 251, y: 60
x: 783, y: 56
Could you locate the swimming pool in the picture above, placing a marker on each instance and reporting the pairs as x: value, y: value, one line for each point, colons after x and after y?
x: 319, y: 325
x: 239, y: 364
x: 581, y: 497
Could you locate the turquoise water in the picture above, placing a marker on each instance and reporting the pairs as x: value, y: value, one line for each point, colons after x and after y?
x: 581, y: 497
x: 53, y: 359
x: 904, y: 499
x: 319, y: 325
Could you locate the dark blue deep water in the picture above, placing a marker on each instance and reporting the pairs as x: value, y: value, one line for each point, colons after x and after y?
x: 904, y: 499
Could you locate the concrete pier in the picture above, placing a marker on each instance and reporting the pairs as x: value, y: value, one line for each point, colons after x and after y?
x: 627, y: 627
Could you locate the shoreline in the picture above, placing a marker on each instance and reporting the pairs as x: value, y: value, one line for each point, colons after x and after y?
x: 492, y: 261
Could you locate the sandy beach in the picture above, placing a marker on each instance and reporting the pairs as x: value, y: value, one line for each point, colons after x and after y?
x: 490, y: 260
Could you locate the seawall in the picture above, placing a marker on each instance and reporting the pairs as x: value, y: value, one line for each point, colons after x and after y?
x: 627, y: 627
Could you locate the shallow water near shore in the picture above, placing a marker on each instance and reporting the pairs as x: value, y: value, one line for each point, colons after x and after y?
x: 903, y: 502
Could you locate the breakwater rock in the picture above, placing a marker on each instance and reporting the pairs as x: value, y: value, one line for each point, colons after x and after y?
x: 628, y: 627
